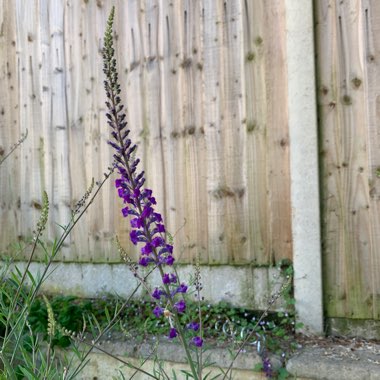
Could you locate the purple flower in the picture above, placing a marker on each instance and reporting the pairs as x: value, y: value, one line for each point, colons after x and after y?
x: 182, y: 288
x: 146, y: 249
x: 136, y: 223
x: 156, y: 215
x: 128, y: 199
x: 173, y: 278
x: 169, y: 278
x: 157, y: 241
x: 169, y: 260
x: 193, y: 326
x: 134, y: 236
x: 144, y: 261
x: 158, y: 311
x: 157, y: 293
x: 180, y: 306
x: 160, y: 228
x: 125, y: 211
x: 197, y: 341
x: 147, y: 212
x: 267, y: 367
x: 172, y: 333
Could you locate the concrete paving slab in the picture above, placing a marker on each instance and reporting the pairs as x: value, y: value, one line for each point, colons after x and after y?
x: 336, y: 363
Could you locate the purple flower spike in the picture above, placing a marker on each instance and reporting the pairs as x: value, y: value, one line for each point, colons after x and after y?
x: 197, y: 341
x: 172, y: 333
x: 147, y: 227
x: 193, y: 326
x: 180, y: 306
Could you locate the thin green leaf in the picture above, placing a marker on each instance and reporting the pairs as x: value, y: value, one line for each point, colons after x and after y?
x: 29, y: 374
x: 31, y: 278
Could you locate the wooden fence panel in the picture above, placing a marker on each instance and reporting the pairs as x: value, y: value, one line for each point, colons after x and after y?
x: 348, y: 55
x: 205, y: 84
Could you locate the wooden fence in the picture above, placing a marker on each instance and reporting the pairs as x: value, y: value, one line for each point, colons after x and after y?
x: 206, y: 86
x: 205, y: 83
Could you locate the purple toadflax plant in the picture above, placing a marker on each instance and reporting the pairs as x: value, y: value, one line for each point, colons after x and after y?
x: 147, y: 228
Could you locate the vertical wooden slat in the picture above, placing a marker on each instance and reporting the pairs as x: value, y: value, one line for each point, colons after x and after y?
x: 79, y: 115
x: 277, y: 171
x: 10, y: 127
x: 232, y: 113
x: 371, y: 29
x: 256, y: 152
x: 29, y: 66
x: 58, y: 123
x: 194, y: 170
x: 172, y: 122
x: 213, y: 126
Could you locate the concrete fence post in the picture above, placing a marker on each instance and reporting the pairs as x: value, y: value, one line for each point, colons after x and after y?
x: 304, y: 164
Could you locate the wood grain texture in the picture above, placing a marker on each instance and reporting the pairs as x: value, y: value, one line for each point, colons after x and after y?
x: 10, y: 130
x: 205, y: 85
x: 348, y: 53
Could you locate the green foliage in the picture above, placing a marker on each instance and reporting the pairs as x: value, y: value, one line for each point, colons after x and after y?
x: 67, y: 312
x: 258, y: 367
x: 221, y: 321
x: 24, y: 318
x: 282, y: 374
